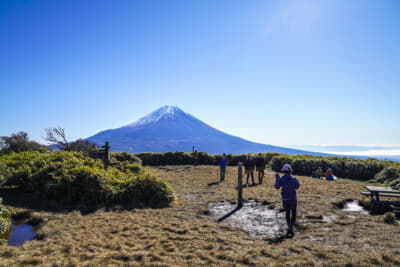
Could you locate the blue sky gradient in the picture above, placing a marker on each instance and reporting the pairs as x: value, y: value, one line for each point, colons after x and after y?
x: 276, y: 72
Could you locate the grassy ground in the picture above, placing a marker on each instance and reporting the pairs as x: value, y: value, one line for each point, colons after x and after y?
x: 186, y: 235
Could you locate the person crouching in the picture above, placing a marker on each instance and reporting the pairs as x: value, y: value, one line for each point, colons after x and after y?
x: 289, y: 185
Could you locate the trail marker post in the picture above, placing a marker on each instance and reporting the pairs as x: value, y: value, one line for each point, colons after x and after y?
x: 106, y: 157
x: 240, y: 188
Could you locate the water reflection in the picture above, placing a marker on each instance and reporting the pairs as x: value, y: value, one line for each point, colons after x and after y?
x: 21, y: 232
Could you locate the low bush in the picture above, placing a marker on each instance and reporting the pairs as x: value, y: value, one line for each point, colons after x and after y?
x: 389, y: 175
x: 183, y: 158
x: 169, y: 158
x: 19, y: 142
x: 5, y: 220
x: 341, y: 166
x: 148, y: 190
x: 124, y: 156
x: 389, y: 218
x: 358, y: 169
x: 75, y: 178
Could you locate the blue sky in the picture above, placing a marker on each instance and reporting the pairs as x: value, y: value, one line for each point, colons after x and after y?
x: 278, y: 72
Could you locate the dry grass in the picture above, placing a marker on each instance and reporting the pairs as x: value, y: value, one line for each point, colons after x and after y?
x: 186, y: 235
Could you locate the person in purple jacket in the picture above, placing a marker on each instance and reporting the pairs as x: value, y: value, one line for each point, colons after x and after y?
x: 289, y: 185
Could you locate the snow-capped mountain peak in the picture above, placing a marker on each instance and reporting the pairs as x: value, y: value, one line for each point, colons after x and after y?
x: 165, y: 112
x: 169, y: 128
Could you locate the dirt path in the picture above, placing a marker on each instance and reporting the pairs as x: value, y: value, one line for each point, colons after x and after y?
x: 188, y: 234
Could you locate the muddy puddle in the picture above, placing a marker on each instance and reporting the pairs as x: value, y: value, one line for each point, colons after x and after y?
x: 262, y: 221
x: 21, y: 232
x: 354, y: 206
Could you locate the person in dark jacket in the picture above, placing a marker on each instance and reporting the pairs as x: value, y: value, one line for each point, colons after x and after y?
x: 260, y: 167
x: 195, y: 158
x: 222, y: 167
x: 249, y: 167
x: 289, y: 185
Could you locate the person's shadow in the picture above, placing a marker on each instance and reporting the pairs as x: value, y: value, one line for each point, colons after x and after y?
x: 229, y: 214
x: 213, y: 183
x: 281, y: 238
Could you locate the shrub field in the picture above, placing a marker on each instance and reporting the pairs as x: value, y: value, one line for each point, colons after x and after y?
x: 386, y: 172
x: 342, y: 167
x: 182, y: 158
x: 74, y: 178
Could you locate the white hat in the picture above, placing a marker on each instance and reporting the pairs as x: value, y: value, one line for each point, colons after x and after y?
x: 286, y: 168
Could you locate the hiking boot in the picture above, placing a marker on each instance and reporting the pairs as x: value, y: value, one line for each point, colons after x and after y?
x: 290, y: 230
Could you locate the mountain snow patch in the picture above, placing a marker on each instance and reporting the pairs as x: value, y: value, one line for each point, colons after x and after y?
x: 165, y: 112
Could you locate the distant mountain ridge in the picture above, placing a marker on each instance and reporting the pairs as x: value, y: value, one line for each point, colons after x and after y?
x: 169, y: 128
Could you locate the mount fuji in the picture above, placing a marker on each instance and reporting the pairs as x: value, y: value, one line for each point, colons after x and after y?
x: 169, y: 128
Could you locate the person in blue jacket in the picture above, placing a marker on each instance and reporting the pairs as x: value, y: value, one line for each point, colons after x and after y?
x: 222, y: 167
x: 289, y: 185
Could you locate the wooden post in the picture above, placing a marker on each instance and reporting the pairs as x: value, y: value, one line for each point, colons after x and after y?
x: 107, y: 157
x: 240, y: 188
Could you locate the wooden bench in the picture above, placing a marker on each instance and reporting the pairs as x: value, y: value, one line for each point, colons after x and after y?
x: 375, y: 192
x: 368, y: 194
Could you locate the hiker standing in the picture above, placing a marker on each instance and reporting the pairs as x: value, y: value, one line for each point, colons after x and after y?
x: 260, y: 167
x: 249, y: 167
x: 195, y: 157
x: 289, y: 185
x: 222, y: 167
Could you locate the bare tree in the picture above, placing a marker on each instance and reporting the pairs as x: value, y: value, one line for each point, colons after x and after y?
x: 56, y: 136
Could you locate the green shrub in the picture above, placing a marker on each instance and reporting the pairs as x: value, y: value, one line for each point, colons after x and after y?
x: 5, y: 220
x: 182, y: 158
x: 341, y: 166
x: 389, y: 175
x: 19, y: 142
x: 302, y: 164
x: 75, y: 178
x: 389, y: 218
x: 152, y: 159
x: 124, y: 156
x: 149, y: 190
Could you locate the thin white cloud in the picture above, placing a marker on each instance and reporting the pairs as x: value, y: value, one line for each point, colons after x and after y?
x: 372, y: 152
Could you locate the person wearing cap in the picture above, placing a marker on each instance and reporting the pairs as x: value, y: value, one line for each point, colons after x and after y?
x: 329, y: 175
x: 260, y: 167
x: 222, y: 167
x: 249, y: 167
x: 289, y: 185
